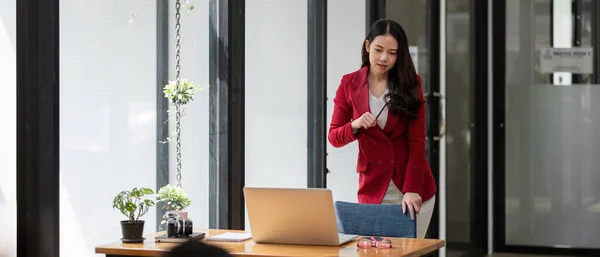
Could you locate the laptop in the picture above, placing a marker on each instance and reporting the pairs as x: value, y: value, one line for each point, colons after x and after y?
x: 300, y: 216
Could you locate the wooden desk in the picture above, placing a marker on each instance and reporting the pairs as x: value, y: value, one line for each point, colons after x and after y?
x: 401, y: 247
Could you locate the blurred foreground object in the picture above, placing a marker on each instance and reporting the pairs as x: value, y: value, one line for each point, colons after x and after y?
x: 197, y: 249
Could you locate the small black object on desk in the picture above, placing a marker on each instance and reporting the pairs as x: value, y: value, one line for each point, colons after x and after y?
x: 178, y: 230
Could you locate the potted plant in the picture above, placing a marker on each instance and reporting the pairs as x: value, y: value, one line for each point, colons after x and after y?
x: 173, y: 199
x: 133, y: 204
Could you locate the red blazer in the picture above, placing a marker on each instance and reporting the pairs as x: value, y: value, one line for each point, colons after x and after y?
x: 396, y: 152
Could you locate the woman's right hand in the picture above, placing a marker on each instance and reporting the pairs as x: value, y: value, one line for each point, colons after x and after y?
x: 365, y: 121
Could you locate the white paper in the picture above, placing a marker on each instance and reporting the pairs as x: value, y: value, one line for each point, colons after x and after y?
x: 575, y: 60
x: 230, y: 237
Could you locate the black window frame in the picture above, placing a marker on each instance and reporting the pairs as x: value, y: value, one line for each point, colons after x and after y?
x: 38, y: 128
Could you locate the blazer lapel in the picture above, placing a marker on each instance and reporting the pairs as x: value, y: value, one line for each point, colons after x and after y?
x: 392, y: 119
x: 360, y: 95
x: 360, y: 91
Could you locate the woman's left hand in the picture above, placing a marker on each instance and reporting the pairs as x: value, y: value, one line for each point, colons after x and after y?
x: 412, y: 202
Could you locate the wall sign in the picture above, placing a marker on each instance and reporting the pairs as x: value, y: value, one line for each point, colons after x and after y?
x: 575, y: 60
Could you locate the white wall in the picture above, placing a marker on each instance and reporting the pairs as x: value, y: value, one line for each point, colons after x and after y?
x: 345, y: 35
x: 276, y: 87
x: 276, y: 122
x: 107, y: 117
x: 8, y: 147
x: 195, y: 123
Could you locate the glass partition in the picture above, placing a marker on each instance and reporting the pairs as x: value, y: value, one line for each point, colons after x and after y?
x: 276, y: 125
x: 110, y: 116
x: 413, y: 16
x: 460, y: 119
x: 107, y: 118
x: 345, y: 35
x: 552, y: 197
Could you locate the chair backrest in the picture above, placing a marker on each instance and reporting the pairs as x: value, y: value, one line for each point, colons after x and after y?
x: 384, y: 220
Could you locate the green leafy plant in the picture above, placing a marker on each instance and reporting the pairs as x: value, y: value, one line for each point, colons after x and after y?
x: 131, y: 203
x: 174, y: 198
x: 180, y: 96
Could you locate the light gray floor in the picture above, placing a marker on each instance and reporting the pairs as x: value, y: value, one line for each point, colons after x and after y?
x: 462, y: 254
x: 518, y: 255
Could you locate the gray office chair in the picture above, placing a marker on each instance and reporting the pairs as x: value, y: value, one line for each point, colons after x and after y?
x: 384, y: 220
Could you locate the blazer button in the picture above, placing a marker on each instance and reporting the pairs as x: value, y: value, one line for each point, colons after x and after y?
x: 393, y: 161
x: 380, y: 162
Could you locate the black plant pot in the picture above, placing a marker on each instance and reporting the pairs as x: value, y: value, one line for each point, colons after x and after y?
x: 132, y: 231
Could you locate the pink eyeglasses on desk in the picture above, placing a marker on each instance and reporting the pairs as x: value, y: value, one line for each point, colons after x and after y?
x: 372, y: 242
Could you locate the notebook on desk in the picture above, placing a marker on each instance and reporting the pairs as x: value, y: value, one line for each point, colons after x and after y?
x: 230, y: 237
x: 181, y: 239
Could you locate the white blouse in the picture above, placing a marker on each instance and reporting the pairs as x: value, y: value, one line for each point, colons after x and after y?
x: 376, y: 103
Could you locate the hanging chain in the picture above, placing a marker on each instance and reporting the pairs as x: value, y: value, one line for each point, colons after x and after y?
x: 178, y: 83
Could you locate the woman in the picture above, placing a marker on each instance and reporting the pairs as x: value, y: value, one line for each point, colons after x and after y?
x: 391, y: 160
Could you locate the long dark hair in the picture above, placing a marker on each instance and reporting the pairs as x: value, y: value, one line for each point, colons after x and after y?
x: 402, y: 78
